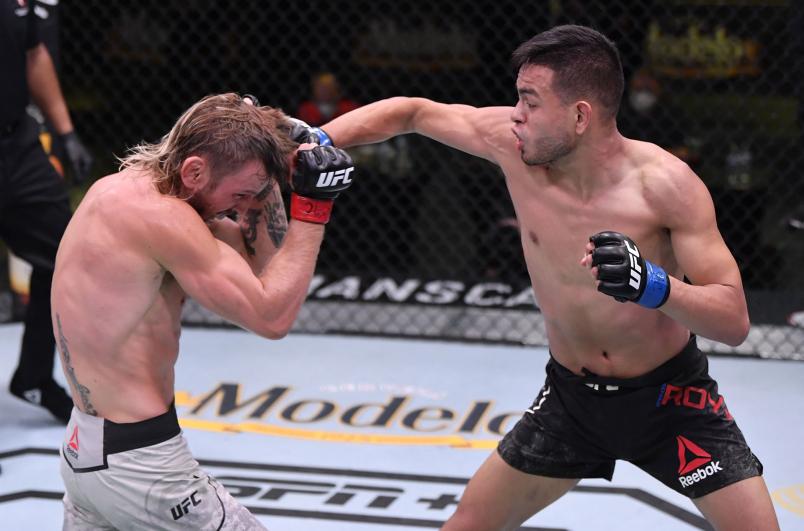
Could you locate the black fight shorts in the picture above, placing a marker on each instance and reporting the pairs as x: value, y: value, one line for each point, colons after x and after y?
x: 671, y: 422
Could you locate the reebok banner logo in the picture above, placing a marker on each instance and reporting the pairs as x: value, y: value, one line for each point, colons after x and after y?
x: 692, y: 458
x: 331, y: 178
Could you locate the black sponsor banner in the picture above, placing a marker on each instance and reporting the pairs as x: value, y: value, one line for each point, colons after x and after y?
x: 765, y: 307
x: 430, y: 292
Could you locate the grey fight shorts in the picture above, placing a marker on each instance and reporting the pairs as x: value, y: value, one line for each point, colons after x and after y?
x: 141, y: 476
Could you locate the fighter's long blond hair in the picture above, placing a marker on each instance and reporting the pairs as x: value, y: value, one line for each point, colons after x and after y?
x: 224, y: 129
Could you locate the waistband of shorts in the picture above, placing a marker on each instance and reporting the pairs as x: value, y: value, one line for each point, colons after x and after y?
x: 132, y: 435
x: 688, y: 357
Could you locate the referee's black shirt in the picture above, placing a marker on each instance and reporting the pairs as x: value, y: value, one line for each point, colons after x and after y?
x: 18, y: 34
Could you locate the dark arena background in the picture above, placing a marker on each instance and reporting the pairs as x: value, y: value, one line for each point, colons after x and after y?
x: 425, y: 246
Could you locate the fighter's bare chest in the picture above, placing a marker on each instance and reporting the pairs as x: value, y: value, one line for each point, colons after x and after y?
x: 556, y: 225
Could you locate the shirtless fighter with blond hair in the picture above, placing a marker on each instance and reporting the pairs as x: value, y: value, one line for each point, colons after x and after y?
x: 198, y: 214
x: 611, y: 227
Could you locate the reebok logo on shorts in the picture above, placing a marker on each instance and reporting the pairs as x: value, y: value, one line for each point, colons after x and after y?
x: 74, y: 439
x: 691, y: 461
x: 72, y: 444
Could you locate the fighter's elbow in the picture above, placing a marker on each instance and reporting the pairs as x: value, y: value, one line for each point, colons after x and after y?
x: 274, y: 326
x: 274, y: 330
x: 738, y: 332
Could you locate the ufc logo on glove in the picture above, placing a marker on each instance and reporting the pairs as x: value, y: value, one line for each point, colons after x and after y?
x: 332, y: 178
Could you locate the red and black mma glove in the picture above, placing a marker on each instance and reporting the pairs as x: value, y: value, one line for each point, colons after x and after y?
x: 303, y: 133
x: 321, y: 173
x: 623, y: 272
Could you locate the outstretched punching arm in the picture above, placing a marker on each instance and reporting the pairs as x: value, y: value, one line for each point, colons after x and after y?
x: 477, y: 131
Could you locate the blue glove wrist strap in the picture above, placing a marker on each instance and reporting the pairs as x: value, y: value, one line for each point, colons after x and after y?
x: 323, y: 138
x: 657, y: 287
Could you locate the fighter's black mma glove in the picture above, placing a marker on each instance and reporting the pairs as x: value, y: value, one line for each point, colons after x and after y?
x: 80, y: 158
x: 320, y: 174
x: 250, y: 97
x: 303, y: 133
x: 624, y: 274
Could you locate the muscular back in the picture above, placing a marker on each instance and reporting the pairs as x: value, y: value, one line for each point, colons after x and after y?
x: 115, y: 310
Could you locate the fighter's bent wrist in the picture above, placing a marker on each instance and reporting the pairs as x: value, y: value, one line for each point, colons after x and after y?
x: 323, y: 138
x: 310, y: 209
x: 657, y: 286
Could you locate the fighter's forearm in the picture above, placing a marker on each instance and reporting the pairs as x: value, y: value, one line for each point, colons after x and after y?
x: 374, y: 122
x: 45, y: 90
x: 286, y: 278
x: 713, y: 311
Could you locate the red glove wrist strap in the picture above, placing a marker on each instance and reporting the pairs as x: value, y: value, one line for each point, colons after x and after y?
x: 309, y: 209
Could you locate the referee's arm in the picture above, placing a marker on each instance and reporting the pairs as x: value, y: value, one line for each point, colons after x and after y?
x: 43, y: 84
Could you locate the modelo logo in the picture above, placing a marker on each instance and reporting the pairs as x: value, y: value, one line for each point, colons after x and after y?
x: 226, y: 400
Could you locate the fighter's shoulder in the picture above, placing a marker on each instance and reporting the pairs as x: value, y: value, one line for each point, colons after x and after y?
x: 492, y: 120
x: 484, y: 119
x: 669, y: 185
x: 493, y: 124
x: 139, y: 212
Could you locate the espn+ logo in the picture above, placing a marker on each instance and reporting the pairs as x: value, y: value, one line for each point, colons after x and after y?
x: 692, y: 458
x: 332, y: 178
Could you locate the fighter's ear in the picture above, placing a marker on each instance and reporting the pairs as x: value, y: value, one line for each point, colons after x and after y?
x: 194, y: 172
x: 582, y: 111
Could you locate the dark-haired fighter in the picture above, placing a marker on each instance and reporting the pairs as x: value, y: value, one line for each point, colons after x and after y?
x: 140, y: 242
x: 610, y: 228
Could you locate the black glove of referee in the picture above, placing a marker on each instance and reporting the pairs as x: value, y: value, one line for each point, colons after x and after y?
x: 79, y: 155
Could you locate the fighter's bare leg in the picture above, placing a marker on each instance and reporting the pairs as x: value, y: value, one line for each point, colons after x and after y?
x: 500, y: 497
x: 745, y: 505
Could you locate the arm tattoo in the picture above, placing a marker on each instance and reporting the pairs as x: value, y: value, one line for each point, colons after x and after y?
x: 250, y: 230
x: 83, y: 390
x: 276, y: 222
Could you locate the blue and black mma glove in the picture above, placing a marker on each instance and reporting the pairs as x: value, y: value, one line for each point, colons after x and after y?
x: 624, y: 274
x: 303, y: 133
x: 320, y: 174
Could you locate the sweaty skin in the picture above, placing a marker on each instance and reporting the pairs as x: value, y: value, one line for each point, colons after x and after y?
x: 606, y: 182
x: 131, y: 255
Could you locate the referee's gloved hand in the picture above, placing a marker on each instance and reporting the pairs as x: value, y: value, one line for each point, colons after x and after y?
x: 79, y: 155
